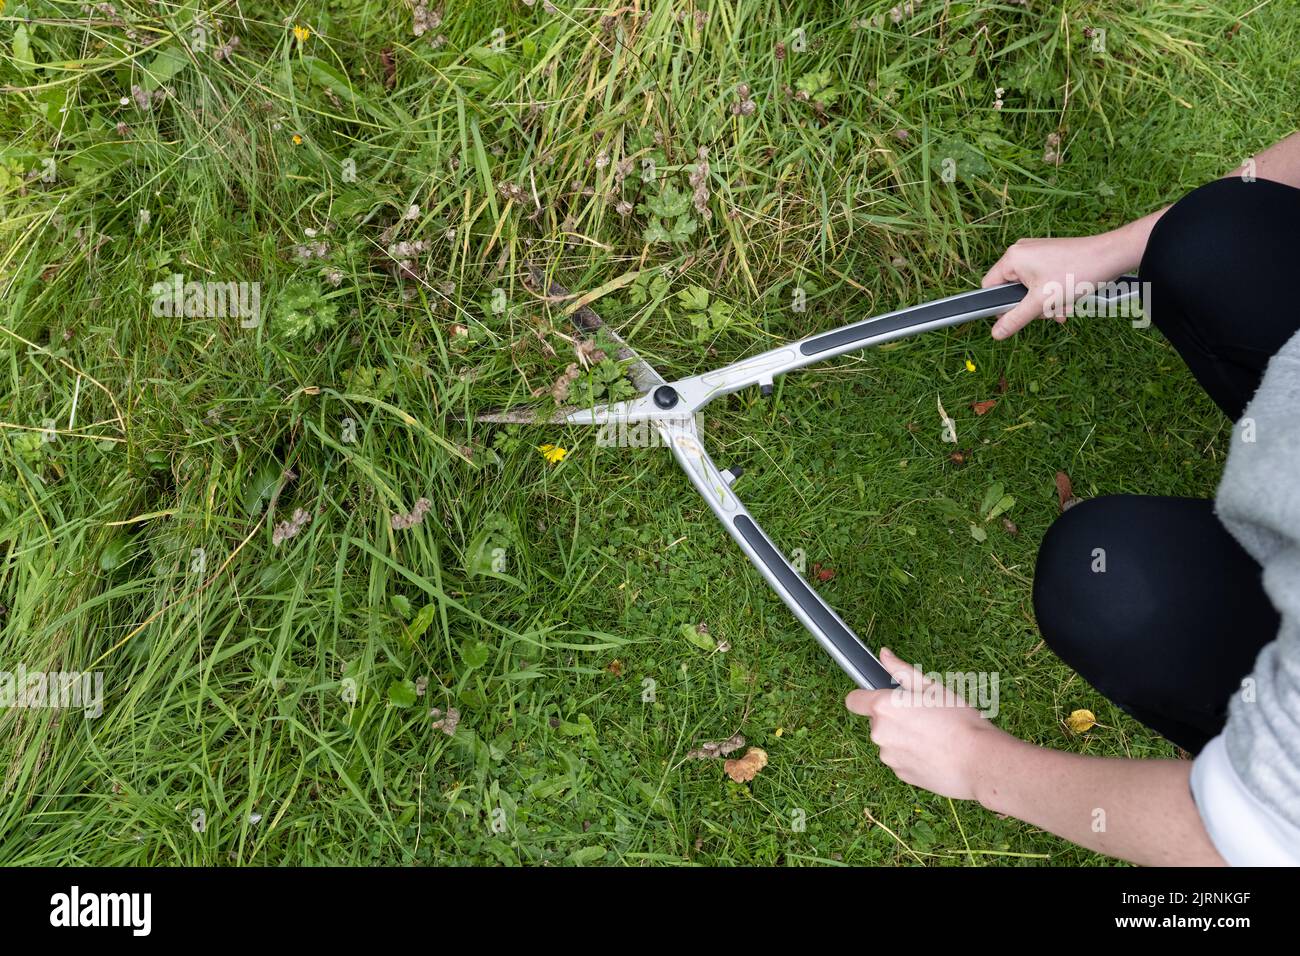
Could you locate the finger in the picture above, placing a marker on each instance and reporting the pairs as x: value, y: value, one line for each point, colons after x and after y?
x: 1009, y: 323
x: 908, y: 677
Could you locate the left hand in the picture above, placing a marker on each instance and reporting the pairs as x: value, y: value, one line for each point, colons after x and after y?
x: 928, y: 734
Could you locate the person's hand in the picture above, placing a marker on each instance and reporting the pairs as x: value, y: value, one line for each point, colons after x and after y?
x: 1050, y: 268
x: 927, y: 734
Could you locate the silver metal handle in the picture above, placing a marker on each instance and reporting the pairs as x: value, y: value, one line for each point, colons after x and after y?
x: 698, y: 390
x: 836, y: 637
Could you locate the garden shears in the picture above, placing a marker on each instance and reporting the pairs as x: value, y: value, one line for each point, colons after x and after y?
x: 671, y: 408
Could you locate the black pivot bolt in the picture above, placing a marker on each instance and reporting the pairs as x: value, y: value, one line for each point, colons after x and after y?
x: 766, y: 390
x: 665, y: 396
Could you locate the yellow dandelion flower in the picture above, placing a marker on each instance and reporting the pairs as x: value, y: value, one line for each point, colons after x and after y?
x: 553, y: 453
x: 301, y: 32
x: 970, y: 366
x: 297, y: 140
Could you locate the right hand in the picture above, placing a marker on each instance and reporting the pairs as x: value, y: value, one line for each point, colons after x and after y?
x: 1036, y: 262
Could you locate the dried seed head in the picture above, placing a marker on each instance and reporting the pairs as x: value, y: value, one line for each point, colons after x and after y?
x: 289, y: 529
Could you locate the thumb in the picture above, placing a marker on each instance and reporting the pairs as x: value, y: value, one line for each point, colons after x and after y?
x: 860, y: 702
x: 908, y: 677
x: 1024, y: 312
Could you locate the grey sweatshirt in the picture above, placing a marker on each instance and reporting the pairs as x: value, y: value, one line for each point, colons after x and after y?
x: 1246, y: 782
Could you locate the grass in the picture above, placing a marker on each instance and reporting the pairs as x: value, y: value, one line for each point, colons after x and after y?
x: 267, y: 699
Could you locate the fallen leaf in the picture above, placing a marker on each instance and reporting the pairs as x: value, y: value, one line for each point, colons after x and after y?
x: 823, y: 574
x: 984, y: 407
x: 713, y: 749
x: 1065, y: 491
x: 959, y: 457
x: 615, y: 667
x: 949, y: 426
x: 747, y: 767
x: 1081, y: 721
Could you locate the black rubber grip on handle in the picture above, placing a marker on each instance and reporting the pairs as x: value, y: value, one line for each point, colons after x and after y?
x: 986, y: 301
x: 999, y: 297
x: 845, y: 641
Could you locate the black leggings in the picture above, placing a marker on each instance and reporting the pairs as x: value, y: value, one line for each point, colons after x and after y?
x: 1175, y: 620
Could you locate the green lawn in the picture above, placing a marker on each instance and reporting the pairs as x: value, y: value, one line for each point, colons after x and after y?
x: 267, y: 697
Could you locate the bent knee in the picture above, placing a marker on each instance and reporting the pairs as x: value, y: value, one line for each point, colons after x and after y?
x: 1088, y: 593
x: 1209, y: 241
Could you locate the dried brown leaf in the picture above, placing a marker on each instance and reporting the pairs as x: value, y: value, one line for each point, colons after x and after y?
x: 823, y: 574
x: 747, y: 767
x: 1065, y: 491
